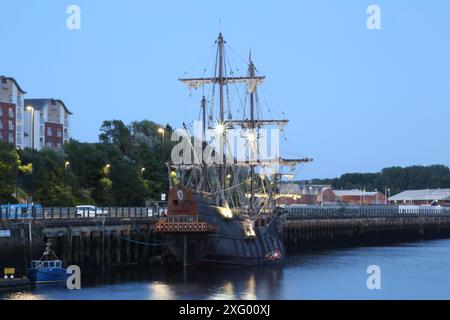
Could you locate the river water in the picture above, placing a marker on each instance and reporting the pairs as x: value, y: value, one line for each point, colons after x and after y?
x: 419, y: 270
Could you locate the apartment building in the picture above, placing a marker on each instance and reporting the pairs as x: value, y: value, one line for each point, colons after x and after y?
x: 11, y: 111
x: 51, y: 126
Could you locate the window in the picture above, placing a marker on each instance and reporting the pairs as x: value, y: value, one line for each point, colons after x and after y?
x: 10, y: 98
x: 11, y: 113
x: 19, y: 114
x: 19, y: 128
x: 59, y: 134
x: 1, y: 112
x: 58, y: 146
x: 1, y: 125
x: 10, y: 125
x: 5, y: 84
x: 19, y: 102
x: 49, y: 132
x: 19, y: 139
x: 10, y: 137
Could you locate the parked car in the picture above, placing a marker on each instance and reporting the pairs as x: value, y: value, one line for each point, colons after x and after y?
x: 86, y: 211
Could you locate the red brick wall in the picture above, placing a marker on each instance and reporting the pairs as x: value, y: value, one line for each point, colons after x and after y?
x: 328, y: 196
x: 379, y: 199
x: 4, y: 132
x: 53, y: 139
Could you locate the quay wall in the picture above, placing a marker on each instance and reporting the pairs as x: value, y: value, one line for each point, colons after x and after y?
x: 127, y: 236
x: 87, y: 242
x: 307, y: 227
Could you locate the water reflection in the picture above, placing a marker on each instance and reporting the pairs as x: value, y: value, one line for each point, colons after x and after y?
x: 410, y: 271
x: 160, y: 291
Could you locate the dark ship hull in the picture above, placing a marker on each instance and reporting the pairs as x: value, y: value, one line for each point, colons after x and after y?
x: 222, y: 240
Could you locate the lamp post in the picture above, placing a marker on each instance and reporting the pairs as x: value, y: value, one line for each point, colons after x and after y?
x: 162, y: 132
x: 31, y: 109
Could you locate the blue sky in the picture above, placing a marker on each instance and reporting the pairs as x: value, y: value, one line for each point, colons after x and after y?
x: 358, y: 100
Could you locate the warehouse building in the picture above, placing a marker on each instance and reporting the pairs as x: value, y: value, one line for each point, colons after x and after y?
x: 422, y: 197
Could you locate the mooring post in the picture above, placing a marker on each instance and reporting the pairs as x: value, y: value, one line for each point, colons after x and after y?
x: 185, y: 253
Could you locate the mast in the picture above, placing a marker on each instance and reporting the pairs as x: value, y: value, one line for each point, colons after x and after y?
x: 204, y: 174
x: 251, y: 73
x: 220, y: 43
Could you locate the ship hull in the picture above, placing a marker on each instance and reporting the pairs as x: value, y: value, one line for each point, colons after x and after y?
x: 47, y: 275
x: 216, y: 236
x: 217, y: 249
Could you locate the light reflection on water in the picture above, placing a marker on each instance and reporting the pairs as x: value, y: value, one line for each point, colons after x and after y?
x: 410, y: 271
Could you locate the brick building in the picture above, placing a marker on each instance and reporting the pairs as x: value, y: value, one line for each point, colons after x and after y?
x: 51, y: 123
x: 360, y: 197
x: 323, y: 195
x: 11, y: 111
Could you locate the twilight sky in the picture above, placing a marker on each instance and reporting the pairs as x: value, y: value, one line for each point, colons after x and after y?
x: 358, y: 99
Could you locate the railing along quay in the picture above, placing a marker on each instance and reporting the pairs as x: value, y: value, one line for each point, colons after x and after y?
x: 72, y: 213
x: 314, y: 212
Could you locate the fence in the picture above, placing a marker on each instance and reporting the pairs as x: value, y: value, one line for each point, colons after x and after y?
x: 37, y: 213
x: 315, y: 212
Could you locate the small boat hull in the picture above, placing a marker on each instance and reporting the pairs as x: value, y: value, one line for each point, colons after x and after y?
x: 47, y: 275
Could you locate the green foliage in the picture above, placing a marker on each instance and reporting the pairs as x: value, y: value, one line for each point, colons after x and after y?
x: 395, y: 178
x: 108, y: 173
x: 9, y: 163
x: 48, y: 182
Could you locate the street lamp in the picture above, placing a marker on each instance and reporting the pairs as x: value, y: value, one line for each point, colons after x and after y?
x: 107, y: 168
x: 31, y: 109
x: 162, y: 132
x: 387, y: 195
x: 66, y: 164
x: 142, y: 171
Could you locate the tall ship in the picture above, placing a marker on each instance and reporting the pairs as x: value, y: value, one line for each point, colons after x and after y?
x: 225, y: 172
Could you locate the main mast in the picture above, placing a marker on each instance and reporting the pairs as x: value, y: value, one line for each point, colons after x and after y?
x: 220, y: 43
x: 251, y: 73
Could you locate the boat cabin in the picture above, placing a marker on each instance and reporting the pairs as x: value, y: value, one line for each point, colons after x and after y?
x: 48, y: 264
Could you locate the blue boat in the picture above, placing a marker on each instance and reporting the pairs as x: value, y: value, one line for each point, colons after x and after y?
x: 48, y: 269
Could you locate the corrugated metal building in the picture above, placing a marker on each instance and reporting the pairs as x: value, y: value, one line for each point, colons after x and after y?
x: 423, y: 197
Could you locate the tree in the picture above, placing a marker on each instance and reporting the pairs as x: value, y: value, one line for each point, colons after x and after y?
x: 115, y: 132
x: 397, y: 179
x: 48, y: 181
x: 9, y: 163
